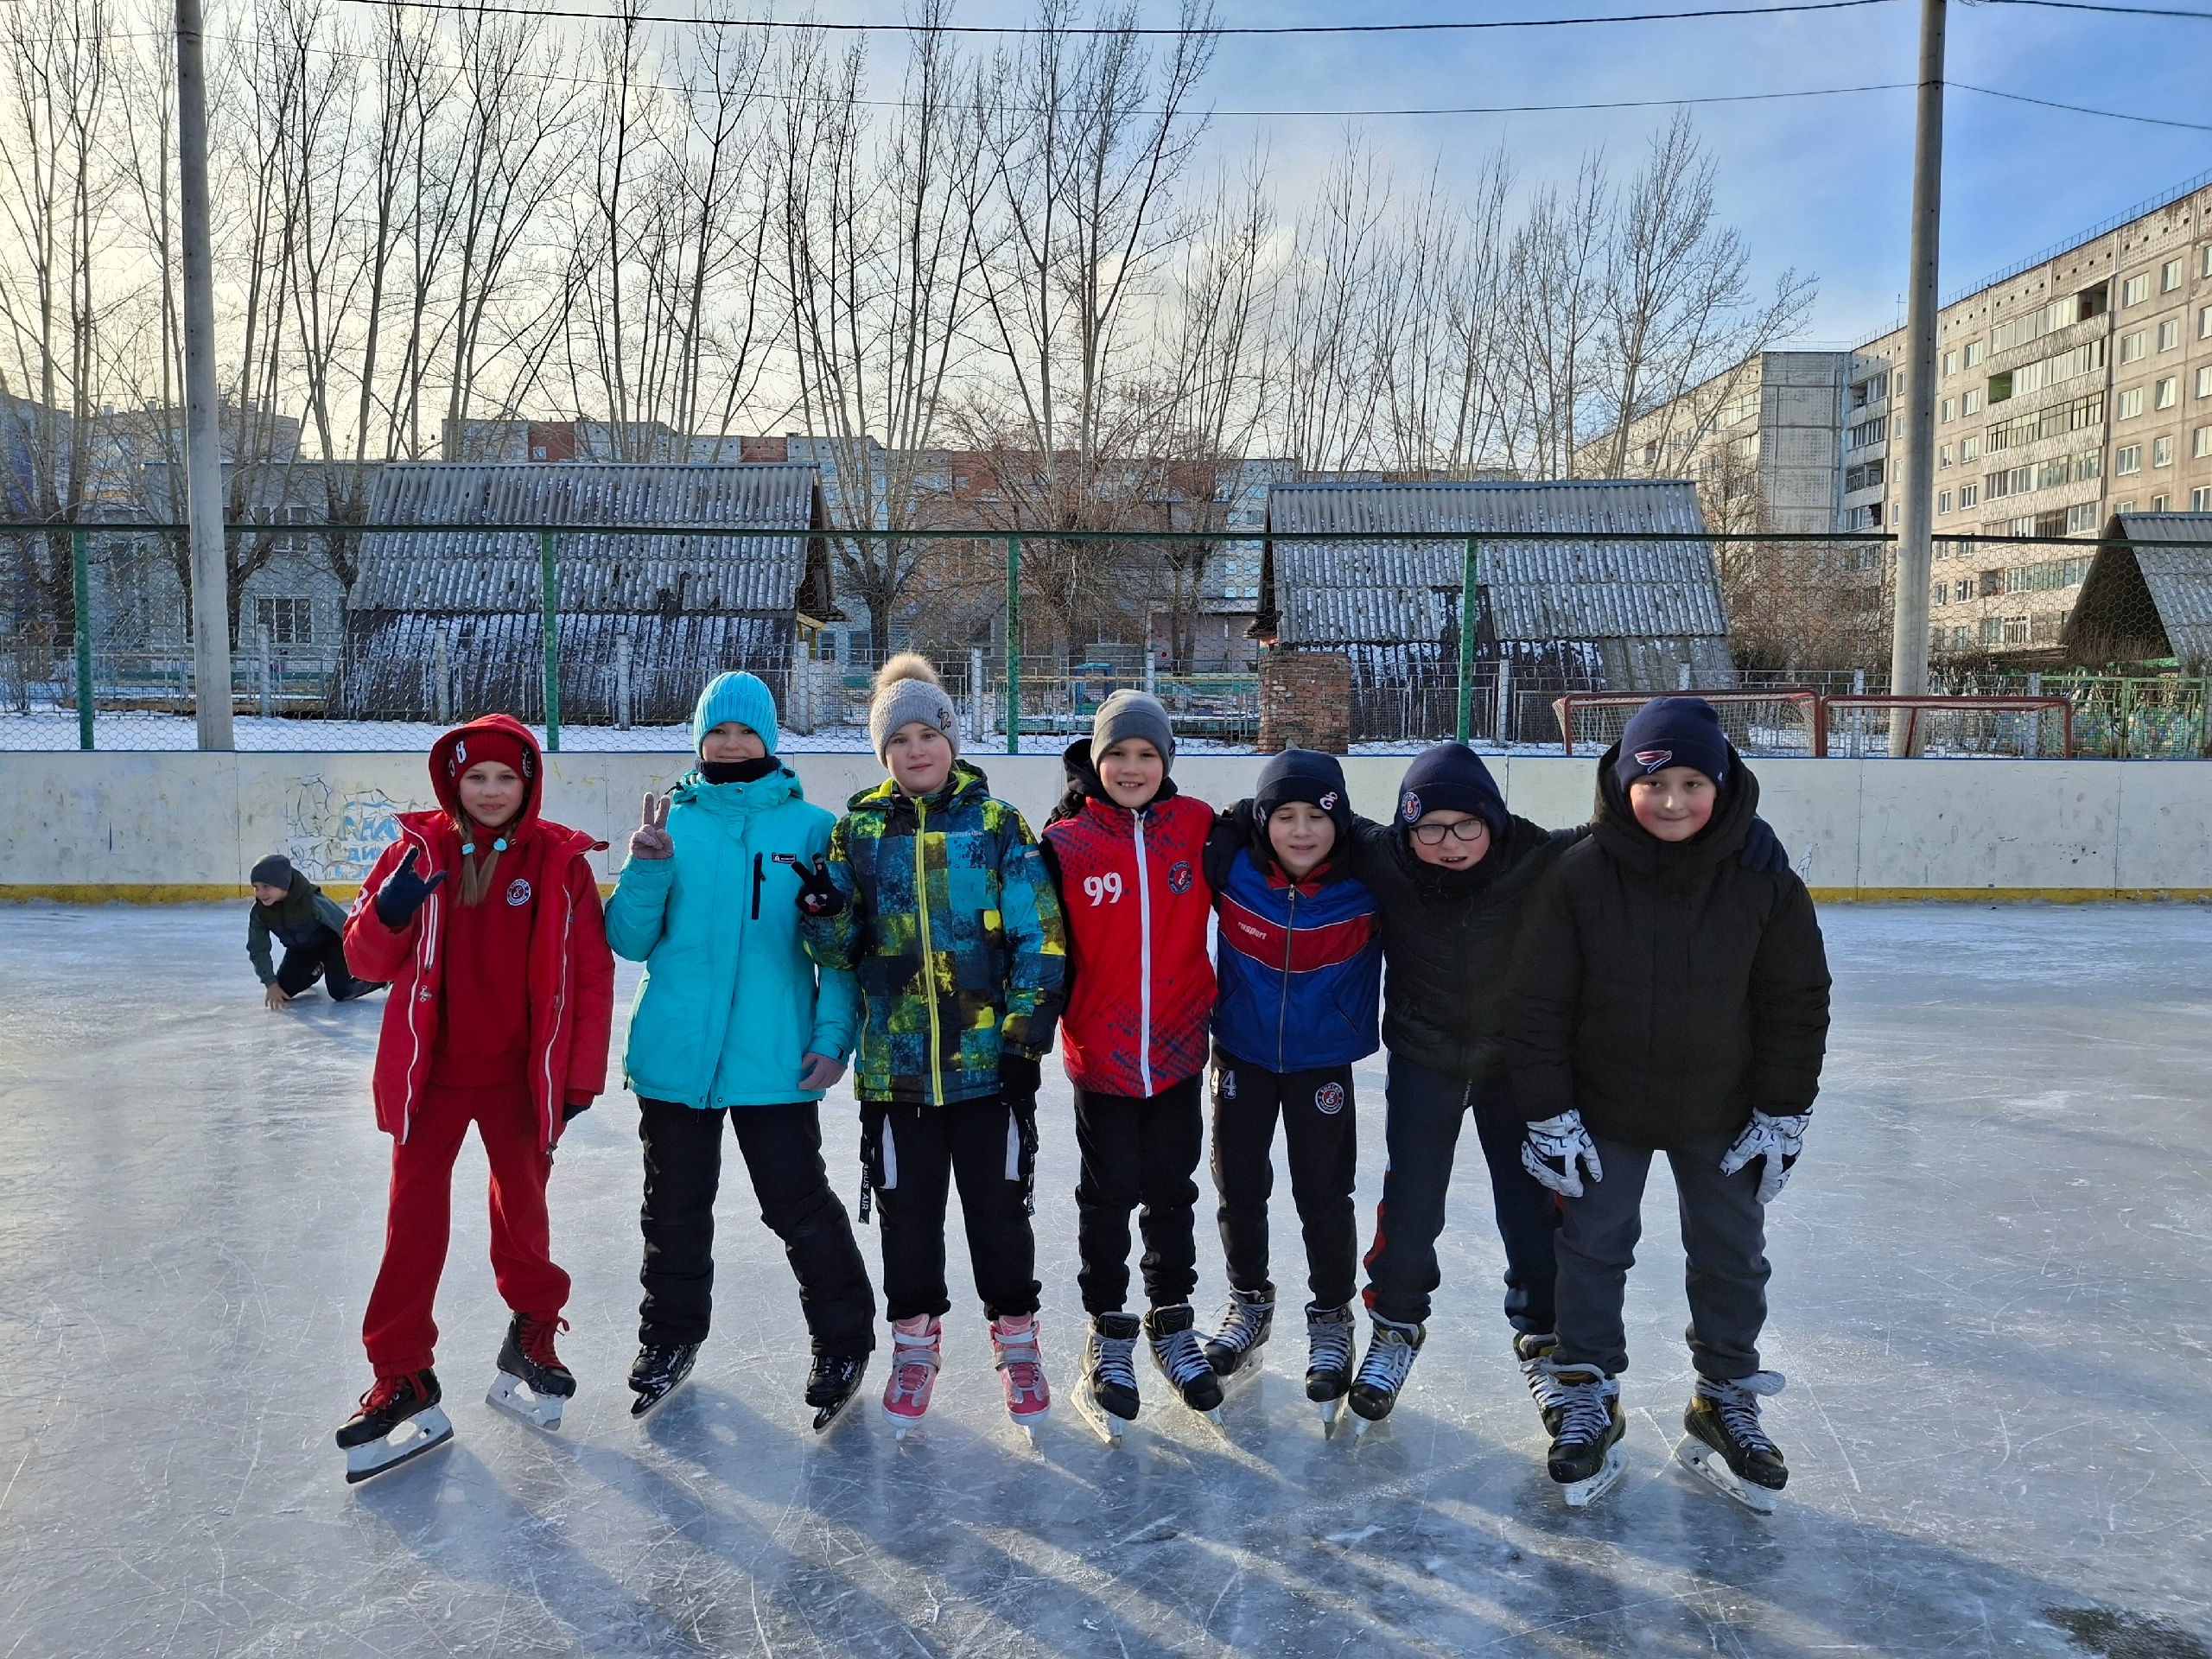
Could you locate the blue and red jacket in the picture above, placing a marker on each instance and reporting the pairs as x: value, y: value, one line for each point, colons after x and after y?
x: 1300, y: 962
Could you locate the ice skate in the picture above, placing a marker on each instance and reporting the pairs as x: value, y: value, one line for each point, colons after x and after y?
x: 1391, y: 1348
x: 1726, y: 1445
x: 1585, y: 1457
x: 1106, y: 1394
x: 831, y: 1383
x: 1234, y: 1350
x: 657, y: 1368
x: 1020, y: 1365
x: 1531, y: 1349
x: 1182, y: 1360
x: 533, y: 1384
x: 398, y: 1420
x: 915, y: 1356
x: 1331, y: 1350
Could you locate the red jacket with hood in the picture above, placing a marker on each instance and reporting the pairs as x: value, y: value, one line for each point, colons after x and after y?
x: 569, y: 970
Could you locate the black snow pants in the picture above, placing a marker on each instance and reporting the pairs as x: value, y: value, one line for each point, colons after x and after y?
x: 1138, y: 1153
x: 914, y: 1153
x: 1318, y: 1133
x: 322, y: 957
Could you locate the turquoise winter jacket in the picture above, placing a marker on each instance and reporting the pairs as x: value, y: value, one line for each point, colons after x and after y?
x: 730, y: 1000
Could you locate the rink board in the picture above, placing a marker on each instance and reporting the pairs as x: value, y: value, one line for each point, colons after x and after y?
x: 165, y: 828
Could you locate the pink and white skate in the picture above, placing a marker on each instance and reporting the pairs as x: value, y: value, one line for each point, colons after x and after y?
x: 914, y: 1362
x: 1021, y: 1371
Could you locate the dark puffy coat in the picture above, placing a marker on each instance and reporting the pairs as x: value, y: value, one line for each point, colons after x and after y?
x: 1666, y: 991
x: 1448, y: 938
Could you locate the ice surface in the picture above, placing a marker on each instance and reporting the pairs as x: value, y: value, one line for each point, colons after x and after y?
x: 1991, y: 1298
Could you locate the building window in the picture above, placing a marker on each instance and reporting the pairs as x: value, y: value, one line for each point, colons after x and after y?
x: 1943, y: 457
x: 1971, y: 404
x: 2125, y: 506
x: 2200, y: 500
x: 2170, y: 277
x: 1965, y: 590
x: 1950, y: 362
x: 2204, y: 381
x: 2166, y: 393
x: 1897, y: 511
x: 2204, y: 261
x: 1969, y: 449
x: 1950, y: 408
x: 2126, y: 460
x: 1865, y: 432
x: 1943, y: 502
x: 2135, y: 290
x: 2162, y: 452
x: 2135, y: 347
x: 2157, y: 503
x: 289, y: 622
x: 2081, y: 520
x: 1966, y: 494
x: 2170, y: 333
x: 2086, y: 465
x: 1973, y: 352
x: 1939, y: 593
x: 2199, y: 443
x: 2128, y: 405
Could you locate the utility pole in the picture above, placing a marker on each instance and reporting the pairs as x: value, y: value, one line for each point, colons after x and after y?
x: 1909, y: 626
x: 203, y: 454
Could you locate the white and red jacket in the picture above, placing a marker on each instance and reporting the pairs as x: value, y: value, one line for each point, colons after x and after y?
x: 569, y: 971
x: 1133, y: 892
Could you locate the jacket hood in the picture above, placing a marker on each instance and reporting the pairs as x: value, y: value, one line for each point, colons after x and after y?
x: 1620, y: 835
x: 489, y: 737
x: 1084, y: 784
x: 740, y: 800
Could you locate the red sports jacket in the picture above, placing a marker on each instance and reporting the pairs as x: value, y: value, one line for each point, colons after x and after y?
x: 569, y: 970
x: 1133, y: 889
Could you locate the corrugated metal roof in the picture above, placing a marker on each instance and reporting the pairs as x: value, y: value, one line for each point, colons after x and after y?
x: 2152, y: 588
x: 1337, y: 592
x: 483, y: 569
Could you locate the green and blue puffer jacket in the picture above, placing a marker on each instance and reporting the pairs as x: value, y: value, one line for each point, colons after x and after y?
x: 731, y: 1001
x: 954, y: 931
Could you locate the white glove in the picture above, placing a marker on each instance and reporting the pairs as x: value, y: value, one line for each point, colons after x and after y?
x: 1778, y: 1140
x: 1552, y: 1150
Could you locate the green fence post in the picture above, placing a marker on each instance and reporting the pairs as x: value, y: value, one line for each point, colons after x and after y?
x: 548, y: 611
x: 1467, y: 638
x: 80, y: 580
x: 1013, y: 644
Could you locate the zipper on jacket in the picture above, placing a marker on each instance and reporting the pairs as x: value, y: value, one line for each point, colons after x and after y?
x: 929, y: 953
x: 1144, y: 964
x: 1282, y: 1010
x: 758, y: 878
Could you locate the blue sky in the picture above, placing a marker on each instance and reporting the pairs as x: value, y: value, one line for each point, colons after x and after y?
x: 1820, y: 184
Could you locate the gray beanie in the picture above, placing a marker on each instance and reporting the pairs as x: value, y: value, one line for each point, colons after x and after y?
x: 908, y: 689
x: 1132, y: 714
x: 274, y: 871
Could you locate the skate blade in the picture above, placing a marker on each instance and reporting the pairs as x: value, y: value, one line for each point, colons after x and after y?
x: 825, y: 1415
x: 1029, y: 1422
x: 646, y: 1404
x: 1102, y: 1423
x: 1582, y: 1494
x: 1703, y: 1461
x: 901, y: 1426
x: 510, y: 1394
x: 1249, y: 1368
x: 431, y: 1428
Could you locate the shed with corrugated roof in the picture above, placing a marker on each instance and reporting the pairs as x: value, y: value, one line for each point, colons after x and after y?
x: 1621, y: 610
x: 650, y: 603
x: 2149, y: 600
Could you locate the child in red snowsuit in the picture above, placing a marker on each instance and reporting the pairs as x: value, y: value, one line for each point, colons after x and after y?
x: 485, y: 917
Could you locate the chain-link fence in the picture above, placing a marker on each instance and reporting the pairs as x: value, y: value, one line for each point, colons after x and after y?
x: 95, y: 651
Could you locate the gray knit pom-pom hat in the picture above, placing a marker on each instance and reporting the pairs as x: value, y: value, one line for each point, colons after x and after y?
x: 908, y: 689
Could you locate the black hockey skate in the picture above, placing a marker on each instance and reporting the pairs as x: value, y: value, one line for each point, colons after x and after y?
x: 399, y: 1420
x: 1234, y: 1350
x: 831, y: 1383
x: 657, y: 1368
x: 1585, y: 1456
x: 1390, y: 1361
x: 1331, y: 1350
x: 1531, y: 1349
x: 1726, y: 1445
x: 1106, y: 1392
x: 1182, y: 1359
x: 533, y: 1384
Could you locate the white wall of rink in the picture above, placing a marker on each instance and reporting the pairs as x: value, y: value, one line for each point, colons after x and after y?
x: 153, y: 827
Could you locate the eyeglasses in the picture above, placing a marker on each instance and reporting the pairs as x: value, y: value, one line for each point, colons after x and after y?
x: 1433, y: 834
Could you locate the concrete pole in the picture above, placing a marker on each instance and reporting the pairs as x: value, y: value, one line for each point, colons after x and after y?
x: 203, y: 454
x: 1909, y: 627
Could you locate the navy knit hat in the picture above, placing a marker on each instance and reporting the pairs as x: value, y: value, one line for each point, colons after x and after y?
x: 1450, y: 777
x: 274, y: 871
x: 1672, y: 732
x: 1303, y: 775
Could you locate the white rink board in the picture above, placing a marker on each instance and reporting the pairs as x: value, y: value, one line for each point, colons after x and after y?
x: 151, y: 826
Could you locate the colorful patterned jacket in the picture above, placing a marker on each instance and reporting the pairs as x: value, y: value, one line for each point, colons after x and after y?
x: 953, y: 931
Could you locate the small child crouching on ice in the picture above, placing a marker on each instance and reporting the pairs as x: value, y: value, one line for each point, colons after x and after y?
x: 1667, y: 999
x: 934, y: 897
x: 485, y: 918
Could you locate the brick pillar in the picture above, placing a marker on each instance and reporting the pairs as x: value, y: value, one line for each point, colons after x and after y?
x: 1305, y: 702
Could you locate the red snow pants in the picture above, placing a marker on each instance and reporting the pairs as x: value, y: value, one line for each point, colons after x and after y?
x: 399, y: 1332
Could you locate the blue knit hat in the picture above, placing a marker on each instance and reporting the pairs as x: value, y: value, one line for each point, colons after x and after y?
x: 1672, y: 732
x: 739, y: 697
x: 1450, y: 777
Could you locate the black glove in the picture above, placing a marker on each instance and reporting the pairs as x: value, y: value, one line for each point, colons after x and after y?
x: 570, y: 1111
x: 1020, y: 1078
x: 818, y: 894
x: 1763, y: 850
x: 403, y: 892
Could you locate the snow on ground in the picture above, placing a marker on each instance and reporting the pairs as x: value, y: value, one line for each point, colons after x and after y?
x: 1990, y: 1297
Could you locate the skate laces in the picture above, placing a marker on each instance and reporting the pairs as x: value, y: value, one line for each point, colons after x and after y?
x: 1113, y: 1360
x: 1328, y: 1341
x: 1585, y: 1398
x: 1389, y: 1359
x: 385, y: 1389
x: 535, y: 1336
x: 1738, y: 1402
x: 1182, y: 1356
x: 1241, y: 1322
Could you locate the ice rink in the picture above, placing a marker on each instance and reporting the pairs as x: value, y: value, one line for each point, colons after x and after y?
x: 1993, y: 1298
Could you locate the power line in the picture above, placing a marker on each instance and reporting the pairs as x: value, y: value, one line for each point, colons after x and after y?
x: 2079, y: 109
x: 2089, y: 5
x: 1181, y: 33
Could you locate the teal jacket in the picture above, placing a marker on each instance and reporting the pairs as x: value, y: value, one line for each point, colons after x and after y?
x: 730, y: 1000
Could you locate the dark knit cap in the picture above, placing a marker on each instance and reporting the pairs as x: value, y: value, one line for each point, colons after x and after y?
x: 1450, y: 777
x: 1303, y: 775
x: 1672, y: 732
x: 274, y: 871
